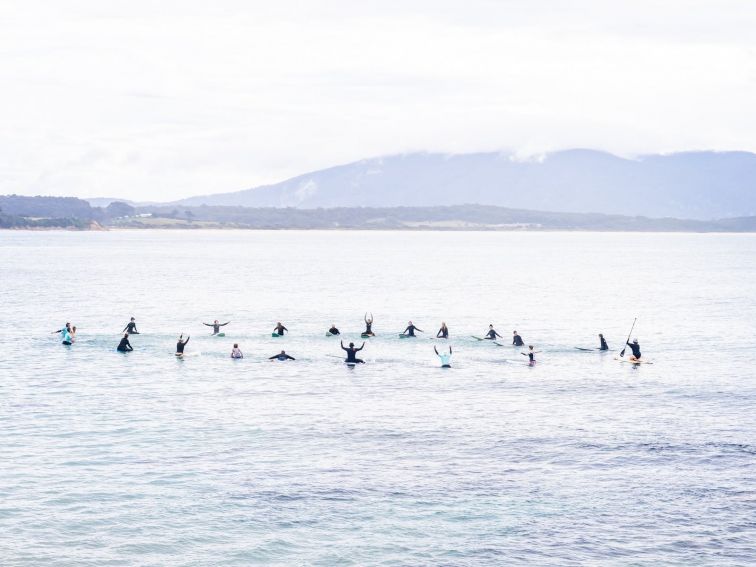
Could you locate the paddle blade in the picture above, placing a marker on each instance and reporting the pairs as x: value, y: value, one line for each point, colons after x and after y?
x: 622, y: 352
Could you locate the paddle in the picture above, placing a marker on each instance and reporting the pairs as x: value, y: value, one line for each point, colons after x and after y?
x: 622, y: 352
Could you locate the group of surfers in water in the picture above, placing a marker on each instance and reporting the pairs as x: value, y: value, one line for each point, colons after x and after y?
x: 68, y: 333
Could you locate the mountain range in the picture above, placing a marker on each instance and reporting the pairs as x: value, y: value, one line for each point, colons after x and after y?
x: 695, y: 185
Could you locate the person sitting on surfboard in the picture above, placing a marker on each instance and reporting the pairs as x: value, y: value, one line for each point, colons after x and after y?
x: 603, y: 346
x: 410, y: 330
x: 216, y: 326
x: 333, y: 330
x: 236, y: 351
x: 635, y: 347
x: 445, y: 358
x: 368, y: 332
x: 492, y: 334
x: 130, y: 327
x: 443, y: 332
x: 352, y: 353
x: 517, y: 340
x: 531, y: 355
x: 281, y: 356
x: 124, y: 345
x: 279, y: 330
x: 181, y: 344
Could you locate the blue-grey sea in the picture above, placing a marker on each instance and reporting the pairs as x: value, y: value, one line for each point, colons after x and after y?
x: 146, y: 459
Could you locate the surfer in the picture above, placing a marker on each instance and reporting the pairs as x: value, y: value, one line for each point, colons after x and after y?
x: 368, y: 332
x: 236, y: 351
x: 517, y: 340
x: 492, y: 334
x: 67, y: 338
x: 445, y: 358
x: 635, y: 347
x: 215, y: 325
x: 443, y: 332
x: 531, y: 355
x: 73, y: 334
x: 130, y: 328
x: 281, y: 356
x: 124, y: 345
x: 66, y: 328
x: 279, y: 330
x: 181, y: 344
x: 352, y: 353
x: 410, y: 330
x: 603, y: 346
x: 333, y: 330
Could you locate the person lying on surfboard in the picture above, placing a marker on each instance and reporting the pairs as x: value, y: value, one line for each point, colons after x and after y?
x: 443, y: 332
x: 281, y: 356
x: 635, y: 347
x: 181, y: 344
x: 492, y: 334
x: 368, y: 332
x: 279, y: 330
x: 517, y: 340
x: 410, y: 330
x: 216, y: 326
x: 603, y: 346
x: 352, y: 351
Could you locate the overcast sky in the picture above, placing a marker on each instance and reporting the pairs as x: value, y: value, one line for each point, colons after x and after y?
x: 162, y: 100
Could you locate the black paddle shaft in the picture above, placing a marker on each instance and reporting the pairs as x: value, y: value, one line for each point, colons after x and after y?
x: 622, y: 352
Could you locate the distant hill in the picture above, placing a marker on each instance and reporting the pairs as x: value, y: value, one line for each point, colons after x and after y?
x: 694, y: 185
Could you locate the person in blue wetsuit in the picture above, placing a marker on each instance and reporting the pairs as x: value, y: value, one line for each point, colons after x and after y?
x: 445, y: 358
x: 492, y: 334
x: 410, y: 330
x: 443, y: 332
x: 352, y: 351
x: 281, y: 356
x: 517, y: 340
x: 124, y: 345
x: 635, y: 347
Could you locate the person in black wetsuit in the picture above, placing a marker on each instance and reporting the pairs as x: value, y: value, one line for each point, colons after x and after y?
x: 280, y: 329
x: 492, y: 334
x: 281, y: 356
x: 368, y: 332
x: 410, y: 330
x: 352, y: 353
x: 603, y: 346
x: 443, y: 332
x: 181, y: 344
x: 216, y: 326
x: 130, y: 327
x: 531, y: 356
x: 635, y: 347
x: 517, y: 340
x: 333, y: 330
x: 124, y: 345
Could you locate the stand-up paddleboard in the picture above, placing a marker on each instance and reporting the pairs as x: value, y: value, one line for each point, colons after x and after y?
x: 631, y: 361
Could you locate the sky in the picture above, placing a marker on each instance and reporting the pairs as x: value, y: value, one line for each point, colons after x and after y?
x: 149, y: 100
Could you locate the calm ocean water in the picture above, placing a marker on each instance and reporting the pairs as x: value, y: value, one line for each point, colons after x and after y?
x: 142, y: 459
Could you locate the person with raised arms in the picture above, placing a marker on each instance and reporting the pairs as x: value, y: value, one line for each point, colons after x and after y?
x: 635, y: 347
x: 492, y: 334
x: 124, y: 345
x: 410, y: 330
x: 517, y: 340
x: 281, y: 356
x: 445, y: 358
x: 236, y: 351
x: 443, y: 332
x: 130, y: 327
x: 280, y: 329
x: 352, y: 351
x: 181, y: 344
x: 216, y: 326
x: 368, y: 332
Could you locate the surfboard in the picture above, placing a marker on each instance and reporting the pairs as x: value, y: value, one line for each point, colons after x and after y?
x: 585, y: 349
x: 329, y: 334
x: 403, y: 336
x: 478, y: 338
x: 630, y: 361
x: 364, y: 336
x: 275, y: 335
x: 220, y: 334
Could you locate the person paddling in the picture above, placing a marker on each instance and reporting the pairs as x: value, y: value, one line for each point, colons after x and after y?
x: 124, y: 345
x: 410, y: 330
x: 635, y: 347
x: 216, y: 326
x: 517, y: 340
x: 492, y: 334
x: 130, y: 327
x: 281, y: 356
x: 445, y: 358
x: 352, y: 351
x: 280, y: 329
x: 603, y: 346
x: 443, y: 332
